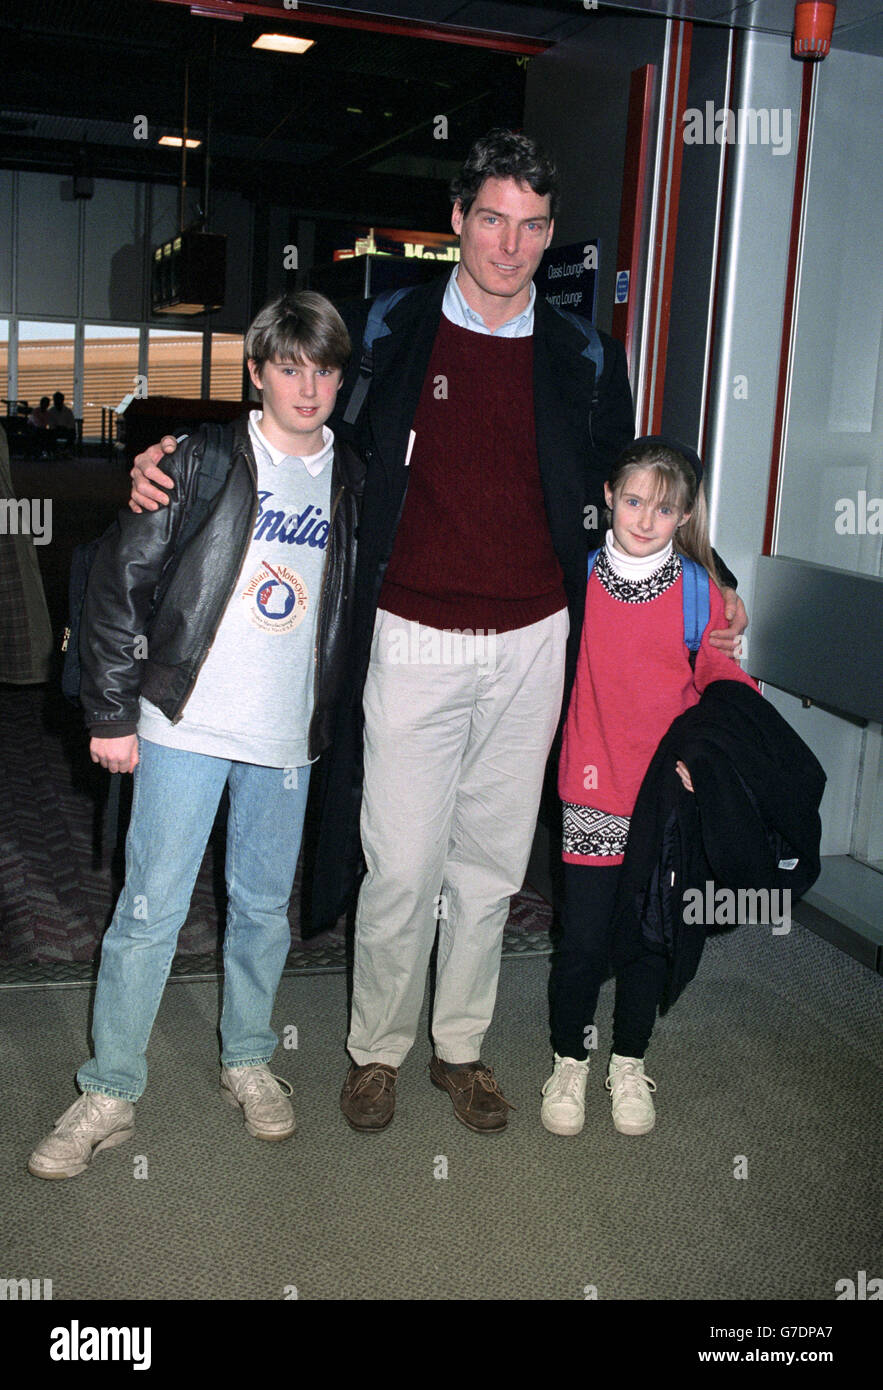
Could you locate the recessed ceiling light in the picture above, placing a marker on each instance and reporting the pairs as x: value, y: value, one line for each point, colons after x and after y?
x: 177, y: 142
x: 283, y: 43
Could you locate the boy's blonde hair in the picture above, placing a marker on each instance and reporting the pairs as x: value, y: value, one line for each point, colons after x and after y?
x: 678, y: 486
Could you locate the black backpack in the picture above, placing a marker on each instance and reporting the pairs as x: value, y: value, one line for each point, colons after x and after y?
x: 213, y: 471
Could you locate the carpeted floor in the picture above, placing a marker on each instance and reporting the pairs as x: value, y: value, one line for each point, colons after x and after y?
x: 769, y: 1064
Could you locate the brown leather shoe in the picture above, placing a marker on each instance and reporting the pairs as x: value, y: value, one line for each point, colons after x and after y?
x: 368, y: 1098
x: 479, y: 1103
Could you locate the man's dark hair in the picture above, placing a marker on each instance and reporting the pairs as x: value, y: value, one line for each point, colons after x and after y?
x: 503, y: 154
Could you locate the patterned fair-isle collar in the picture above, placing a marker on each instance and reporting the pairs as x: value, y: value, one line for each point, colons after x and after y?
x: 633, y: 580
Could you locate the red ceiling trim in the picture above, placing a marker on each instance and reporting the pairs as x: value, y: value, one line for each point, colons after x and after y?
x: 349, y: 19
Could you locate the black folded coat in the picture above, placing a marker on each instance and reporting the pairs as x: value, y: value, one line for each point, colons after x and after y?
x: 751, y: 823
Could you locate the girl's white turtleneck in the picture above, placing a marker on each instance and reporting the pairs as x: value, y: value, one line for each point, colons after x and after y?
x: 631, y: 566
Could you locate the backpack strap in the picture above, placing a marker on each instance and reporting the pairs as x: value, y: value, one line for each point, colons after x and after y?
x: 697, y: 601
x: 375, y: 327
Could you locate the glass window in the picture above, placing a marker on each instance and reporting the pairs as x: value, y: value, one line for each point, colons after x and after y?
x: 174, y: 363
x: 110, y: 371
x: 45, y: 361
x: 226, y: 380
x: 832, y: 477
x: 4, y: 362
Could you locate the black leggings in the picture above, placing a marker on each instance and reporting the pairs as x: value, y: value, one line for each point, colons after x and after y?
x: 580, y: 966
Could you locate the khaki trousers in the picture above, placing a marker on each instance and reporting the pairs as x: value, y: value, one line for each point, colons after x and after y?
x: 457, y: 734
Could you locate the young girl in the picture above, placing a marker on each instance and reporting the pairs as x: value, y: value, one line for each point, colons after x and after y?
x: 633, y: 679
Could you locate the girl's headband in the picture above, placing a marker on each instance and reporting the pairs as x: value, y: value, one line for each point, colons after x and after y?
x: 667, y: 442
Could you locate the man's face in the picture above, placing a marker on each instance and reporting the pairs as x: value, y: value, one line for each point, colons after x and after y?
x: 502, y: 240
x: 298, y: 398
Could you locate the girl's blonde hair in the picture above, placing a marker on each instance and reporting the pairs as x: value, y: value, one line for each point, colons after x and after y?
x: 677, y: 485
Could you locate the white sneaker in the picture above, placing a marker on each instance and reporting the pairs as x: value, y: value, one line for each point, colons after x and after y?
x: 92, y: 1123
x: 564, y: 1107
x: 267, y: 1109
x: 633, y: 1109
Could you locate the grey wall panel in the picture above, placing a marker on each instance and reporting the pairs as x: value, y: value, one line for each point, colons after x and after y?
x: 576, y: 103
x: 233, y: 217
x: 757, y: 232
x: 7, y: 178
x: 818, y: 633
x: 113, y: 254
x: 48, y: 247
x: 692, y: 283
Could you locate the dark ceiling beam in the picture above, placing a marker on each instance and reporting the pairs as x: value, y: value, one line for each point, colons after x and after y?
x: 408, y: 28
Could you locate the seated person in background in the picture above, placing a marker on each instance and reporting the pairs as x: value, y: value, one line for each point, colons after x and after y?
x: 38, y: 425
x: 61, y: 421
x: 39, y: 416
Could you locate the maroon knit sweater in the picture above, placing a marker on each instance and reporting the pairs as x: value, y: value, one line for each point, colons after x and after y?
x: 473, y: 549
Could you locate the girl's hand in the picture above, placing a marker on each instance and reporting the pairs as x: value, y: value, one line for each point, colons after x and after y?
x: 681, y: 770
x: 116, y: 754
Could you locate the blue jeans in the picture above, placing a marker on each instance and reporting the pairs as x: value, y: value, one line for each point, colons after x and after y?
x: 175, y: 799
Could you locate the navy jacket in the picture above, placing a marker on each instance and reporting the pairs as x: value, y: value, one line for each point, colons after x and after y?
x: 575, y: 448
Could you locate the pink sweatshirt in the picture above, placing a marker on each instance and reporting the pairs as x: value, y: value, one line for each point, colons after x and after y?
x: 633, y: 679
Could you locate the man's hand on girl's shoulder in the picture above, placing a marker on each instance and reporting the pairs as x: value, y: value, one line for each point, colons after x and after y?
x: 146, y: 471
x: 727, y: 639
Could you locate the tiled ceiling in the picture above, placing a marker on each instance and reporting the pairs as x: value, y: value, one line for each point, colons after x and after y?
x: 346, y: 131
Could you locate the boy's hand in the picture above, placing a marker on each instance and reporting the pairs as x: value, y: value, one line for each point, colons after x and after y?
x: 727, y: 639
x: 681, y: 770
x: 145, y: 472
x: 116, y: 754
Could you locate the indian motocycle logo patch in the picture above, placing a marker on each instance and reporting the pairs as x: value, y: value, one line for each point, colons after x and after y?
x: 276, y: 598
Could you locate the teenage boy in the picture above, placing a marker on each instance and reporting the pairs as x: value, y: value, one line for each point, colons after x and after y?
x: 236, y: 685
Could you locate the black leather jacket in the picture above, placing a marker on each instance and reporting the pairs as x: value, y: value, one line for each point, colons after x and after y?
x: 127, y: 649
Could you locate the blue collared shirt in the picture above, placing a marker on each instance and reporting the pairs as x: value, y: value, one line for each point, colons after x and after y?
x: 455, y: 308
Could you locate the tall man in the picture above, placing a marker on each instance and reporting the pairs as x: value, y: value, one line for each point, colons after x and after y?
x: 483, y: 449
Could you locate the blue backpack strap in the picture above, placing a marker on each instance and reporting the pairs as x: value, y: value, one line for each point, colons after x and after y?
x: 697, y: 601
x: 593, y: 555
x: 375, y: 327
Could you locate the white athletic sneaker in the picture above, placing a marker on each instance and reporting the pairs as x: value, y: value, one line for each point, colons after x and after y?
x: 92, y: 1123
x: 267, y: 1109
x: 564, y: 1106
x: 633, y: 1110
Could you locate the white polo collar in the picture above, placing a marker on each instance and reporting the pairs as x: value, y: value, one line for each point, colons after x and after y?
x: 313, y: 463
